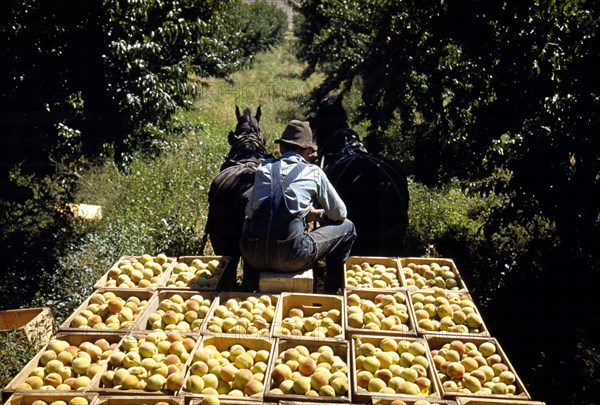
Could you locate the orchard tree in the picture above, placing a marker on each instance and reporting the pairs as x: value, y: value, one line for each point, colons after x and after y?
x: 504, y: 96
x: 476, y: 88
x: 77, y: 76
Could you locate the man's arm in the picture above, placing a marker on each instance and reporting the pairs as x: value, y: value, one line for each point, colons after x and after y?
x: 328, y: 198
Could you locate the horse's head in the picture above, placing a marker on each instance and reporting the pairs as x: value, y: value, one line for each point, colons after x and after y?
x: 247, y: 141
x: 246, y: 122
x: 331, y: 120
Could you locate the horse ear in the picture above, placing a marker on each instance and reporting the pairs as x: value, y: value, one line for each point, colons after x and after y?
x: 231, y: 137
x: 258, y: 114
x: 237, y: 112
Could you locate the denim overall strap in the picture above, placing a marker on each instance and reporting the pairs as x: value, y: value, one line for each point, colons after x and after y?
x: 281, y: 224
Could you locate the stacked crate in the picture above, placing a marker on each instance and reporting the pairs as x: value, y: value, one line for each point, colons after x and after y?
x: 441, y: 335
x: 165, y: 330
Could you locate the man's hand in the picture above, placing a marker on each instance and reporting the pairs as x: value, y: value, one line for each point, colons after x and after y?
x: 315, y: 215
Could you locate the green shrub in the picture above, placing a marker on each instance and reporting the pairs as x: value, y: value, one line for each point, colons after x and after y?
x: 158, y: 206
x: 15, y: 352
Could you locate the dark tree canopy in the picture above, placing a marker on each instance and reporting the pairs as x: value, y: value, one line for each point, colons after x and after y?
x: 504, y: 96
x: 77, y: 76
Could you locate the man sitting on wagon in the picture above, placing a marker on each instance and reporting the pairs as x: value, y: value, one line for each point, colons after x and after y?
x: 283, y: 200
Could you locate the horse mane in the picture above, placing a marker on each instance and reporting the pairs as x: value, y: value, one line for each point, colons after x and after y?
x: 247, y: 147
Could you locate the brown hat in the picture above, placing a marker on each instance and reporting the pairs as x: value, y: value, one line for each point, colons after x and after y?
x: 298, y: 133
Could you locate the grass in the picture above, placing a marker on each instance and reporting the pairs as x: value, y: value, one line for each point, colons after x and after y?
x: 273, y: 83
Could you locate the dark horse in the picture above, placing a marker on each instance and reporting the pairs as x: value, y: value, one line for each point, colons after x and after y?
x: 374, y: 188
x: 229, y: 190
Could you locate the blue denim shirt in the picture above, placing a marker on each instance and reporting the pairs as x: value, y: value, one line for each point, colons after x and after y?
x: 311, y: 186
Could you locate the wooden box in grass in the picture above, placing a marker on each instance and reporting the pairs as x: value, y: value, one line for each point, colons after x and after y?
x: 140, y: 400
x: 36, y: 325
x: 183, y: 315
x: 387, y: 400
x: 310, y: 317
x: 338, y: 359
x: 459, y: 361
x: 403, y: 367
x: 490, y: 401
x: 71, y: 339
x: 137, y: 272
x: 200, y: 273
x: 24, y: 398
x: 429, y: 272
x: 378, y: 312
x: 133, y: 350
x: 109, y: 310
x: 438, y: 311
x: 239, y: 313
x: 369, y: 272
x: 243, y: 364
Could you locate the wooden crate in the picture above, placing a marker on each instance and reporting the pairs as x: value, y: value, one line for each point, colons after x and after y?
x: 223, y: 282
x: 139, y: 400
x: 373, y: 260
x: 143, y: 295
x: 381, y: 399
x: 431, y: 293
x: 361, y: 395
x: 298, y: 281
x: 307, y: 403
x: 98, y: 386
x: 74, y: 339
x: 340, y: 348
x: 224, y: 401
x: 25, y: 398
x: 101, y: 283
x: 310, y: 304
x: 405, y: 261
x: 435, y: 342
x: 160, y: 296
x: 490, y: 401
x: 370, y: 295
x: 223, y: 343
x: 225, y: 296
x: 33, y: 324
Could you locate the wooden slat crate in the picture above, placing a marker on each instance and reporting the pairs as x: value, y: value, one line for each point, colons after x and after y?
x: 222, y: 301
x: 438, y: 314
x: 33, y: 324
x: 223, y: 401
x: 298, y: 281
x: 387, y: 400
x: 223, y: 343
x: 143, y: 324
x: 160, y: 282
x: 432, y: 282
x: 372, y: 295
x: 490, y: 401
x: 143, y: 295
x: 99, y: 386
x: 222, y: 281
x: 339, y: 348
x: 435, y: 342
x: 388, y: 262
x: 140, y: 400
x: 75, y: 339
x: 25, y: 398
x: 311, y: 305
x: 362, y: 395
